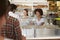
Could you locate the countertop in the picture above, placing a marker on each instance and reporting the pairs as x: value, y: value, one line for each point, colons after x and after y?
x: 51, y: 37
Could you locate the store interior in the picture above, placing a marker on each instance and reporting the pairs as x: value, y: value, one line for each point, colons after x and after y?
x: 51, y: 13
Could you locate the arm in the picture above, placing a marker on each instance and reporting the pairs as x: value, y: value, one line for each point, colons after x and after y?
x: 42, y: 23
x: 18, y: 31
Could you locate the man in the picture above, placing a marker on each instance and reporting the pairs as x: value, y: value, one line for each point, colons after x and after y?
x: 12, y: 11
x: 12, y: 25
x: 11, y: 29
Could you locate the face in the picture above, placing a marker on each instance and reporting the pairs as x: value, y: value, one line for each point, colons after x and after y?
x: 14, y: 11
x: 38, y: 14
x: 25, y: 13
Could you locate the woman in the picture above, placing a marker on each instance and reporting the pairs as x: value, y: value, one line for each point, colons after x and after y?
x: 25, y: 19
x: 3, y: 15
x: 39, y: 19
x: 25, y: 12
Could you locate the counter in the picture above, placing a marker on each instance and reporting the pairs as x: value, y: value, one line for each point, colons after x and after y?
x: 53, y: 37
x: 40, y: 33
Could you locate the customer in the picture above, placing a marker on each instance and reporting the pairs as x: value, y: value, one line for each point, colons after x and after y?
x: 13, y: 25
x: 39, y: 19
x: 3, y: 15
x: 13, y: 10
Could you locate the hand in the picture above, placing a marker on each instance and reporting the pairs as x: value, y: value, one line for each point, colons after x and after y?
x: 31, y: 23
x: 23, y: 38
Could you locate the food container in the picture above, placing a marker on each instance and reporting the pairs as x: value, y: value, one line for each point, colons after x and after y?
x: 28, y: 32
x: 57, y: 32
x: 45, y: 32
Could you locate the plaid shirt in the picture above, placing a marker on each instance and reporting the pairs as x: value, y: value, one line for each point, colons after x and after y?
x: 11, y: 29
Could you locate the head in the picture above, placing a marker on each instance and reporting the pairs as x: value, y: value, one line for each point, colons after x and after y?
x: 4, y: 5
x: 13, y: 8
x: 38, y: 12
x: 25, y: 11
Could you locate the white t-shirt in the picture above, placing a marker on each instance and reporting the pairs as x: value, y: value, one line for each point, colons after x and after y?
x: 13, y: 15
x: 24, y: 21
x: 35, y: 20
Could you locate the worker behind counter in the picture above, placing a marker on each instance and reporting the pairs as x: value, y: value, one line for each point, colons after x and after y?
x: 39, y: 20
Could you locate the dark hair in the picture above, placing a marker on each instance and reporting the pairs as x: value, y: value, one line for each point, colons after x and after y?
x: 38, y: 10
x: 13, y: 7
x: 8, y: 3
x: 26, y: 11
x: 3, y: 7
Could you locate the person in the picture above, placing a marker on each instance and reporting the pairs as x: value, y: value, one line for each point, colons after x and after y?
x: 39, y: 20
x: 4, y: 9
x: 25, y: 19
x: 25, y: 12
x: 10, y: 29
x: 13, y: 10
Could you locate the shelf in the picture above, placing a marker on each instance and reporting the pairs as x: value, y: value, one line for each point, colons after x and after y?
x: 29, y: 0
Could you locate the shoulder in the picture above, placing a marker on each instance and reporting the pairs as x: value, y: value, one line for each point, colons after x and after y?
x: 10, y: 13
x: 12, y: 20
